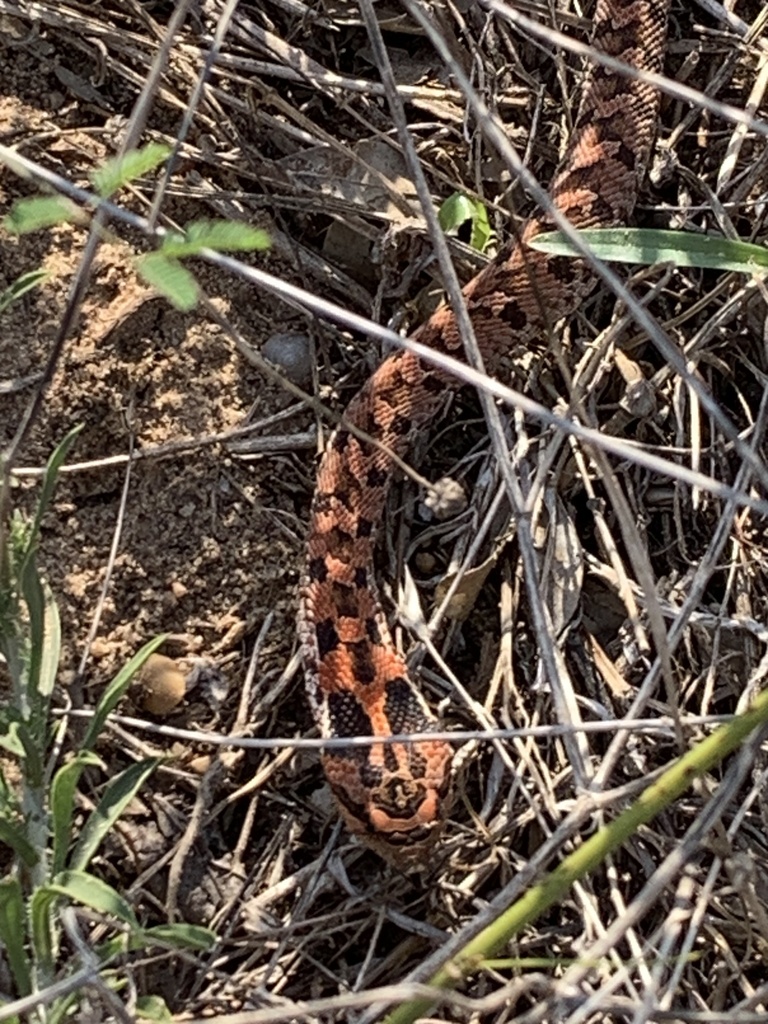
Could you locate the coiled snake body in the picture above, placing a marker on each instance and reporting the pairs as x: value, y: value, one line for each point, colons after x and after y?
x: 395, y: 796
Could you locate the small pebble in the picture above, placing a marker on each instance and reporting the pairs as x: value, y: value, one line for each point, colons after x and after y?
x: 100, y: 648
x: 291, y: 353
x: 160, y: 686
x: 425, y: 562
x: 200, y: 765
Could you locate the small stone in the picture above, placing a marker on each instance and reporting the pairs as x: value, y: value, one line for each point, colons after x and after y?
x: 425, y: 562
x: 178, y: 589
x: 291, y: 353
x: 161, y: 685
x: 100, y: 649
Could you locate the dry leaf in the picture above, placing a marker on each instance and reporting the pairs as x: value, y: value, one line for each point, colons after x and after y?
x: 468, y: 589
x: 613, y: 679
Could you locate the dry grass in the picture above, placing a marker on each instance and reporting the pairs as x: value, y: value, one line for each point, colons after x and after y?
x: 291, y: 132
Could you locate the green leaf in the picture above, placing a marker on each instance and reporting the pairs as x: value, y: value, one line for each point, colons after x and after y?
x: 31, y: 588
x: 23, y: 284
x: 62, y: 803
x: 481, y: 228
x: 49, y: 662
x: 166, y: 936
x: 121, y: 170
x: 8, y: 801
x: 64, y: 1008
x: 44, y: 635
x: 12, y: 646
x: 649, y: 246
x: 13, y: 836
x: 16, y: 738
x: 153, y: 1008
x: 180, y: 936
x: 170, y: 278
x: 12, y: 933
x: 50, y: 476
x: 11, y: 727
x: 118, y: 945
x: 118, y: 794
x: 43, y: 627
x: 457, y: 210
x: 77, y: 887
x: 116, y: 689
x: 34, y: 754
x: 80, y: 887
x: 214, y: 234
x: 41, y: 908
x: 40, y: 212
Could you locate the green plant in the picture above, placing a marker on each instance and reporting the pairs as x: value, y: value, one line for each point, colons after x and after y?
x: 23, y: 284
x: 161, y: 268
x: 458, y: 209
x: 47, y: 859
x: 676, y: 778
x: 654, y: 245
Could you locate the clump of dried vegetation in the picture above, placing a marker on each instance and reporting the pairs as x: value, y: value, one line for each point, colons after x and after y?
x: 182, y: 510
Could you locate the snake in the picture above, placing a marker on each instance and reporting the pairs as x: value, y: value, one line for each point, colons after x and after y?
x: 396, y: 795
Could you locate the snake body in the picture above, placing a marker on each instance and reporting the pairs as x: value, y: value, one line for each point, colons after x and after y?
x: 395, y: 796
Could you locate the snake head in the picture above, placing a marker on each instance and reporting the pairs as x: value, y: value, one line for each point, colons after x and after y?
x: 395, y: 797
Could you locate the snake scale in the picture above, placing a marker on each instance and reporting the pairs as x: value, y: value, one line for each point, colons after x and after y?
x: 395, y: 796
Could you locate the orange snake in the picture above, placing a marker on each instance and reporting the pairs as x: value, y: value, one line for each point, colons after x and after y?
x: 396, y: 796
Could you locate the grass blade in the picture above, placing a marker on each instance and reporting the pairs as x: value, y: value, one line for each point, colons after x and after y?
x: 647, y: 246
x: 50, y: 476
x: 12, y: 932
x: 62, y: 802
x: 23, y: 284
x: 116, y: 689
x: 115, y: 799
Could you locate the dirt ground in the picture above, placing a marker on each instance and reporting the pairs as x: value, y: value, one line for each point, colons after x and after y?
x: 209, y: 543
x: 204, y: 542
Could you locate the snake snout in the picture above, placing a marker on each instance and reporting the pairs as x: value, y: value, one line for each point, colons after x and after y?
x: 406, y: 813
x: 395, y: 797
x: 406, y: 817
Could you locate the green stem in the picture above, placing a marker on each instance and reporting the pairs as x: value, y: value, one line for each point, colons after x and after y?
x: 659, y: 795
